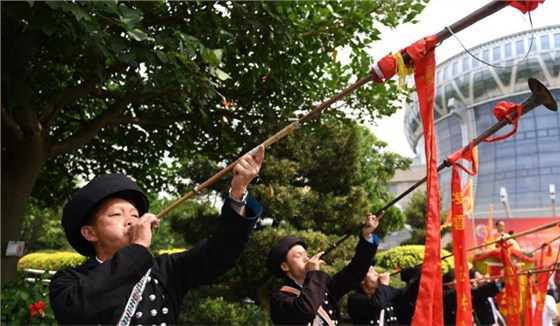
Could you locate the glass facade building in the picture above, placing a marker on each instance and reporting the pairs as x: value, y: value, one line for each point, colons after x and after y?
x: 467, y: 90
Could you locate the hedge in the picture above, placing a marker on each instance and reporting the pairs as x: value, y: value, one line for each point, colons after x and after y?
x: 51, y: 261
x: 408, y: 256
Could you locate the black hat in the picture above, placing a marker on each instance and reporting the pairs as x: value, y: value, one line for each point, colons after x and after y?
x: 84, y: 202
x: 278, y: 253
x: 408, y: 274
x: 472, y: 272
x: 449, y: 276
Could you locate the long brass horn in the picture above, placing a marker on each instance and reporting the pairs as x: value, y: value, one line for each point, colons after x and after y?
x: 540, y: 95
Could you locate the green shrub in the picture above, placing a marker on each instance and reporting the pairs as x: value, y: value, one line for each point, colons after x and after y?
x: 217, y: 311
x: 52, y: 261
x: 25, y: 303
x: 408, y: 256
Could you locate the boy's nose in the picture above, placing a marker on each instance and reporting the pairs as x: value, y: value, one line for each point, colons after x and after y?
x: 130, y: 220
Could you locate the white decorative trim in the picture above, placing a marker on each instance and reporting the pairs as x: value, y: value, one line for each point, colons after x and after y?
x: 133, y: 300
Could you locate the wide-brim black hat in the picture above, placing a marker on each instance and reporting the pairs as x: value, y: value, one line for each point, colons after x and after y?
x: 449, y: 276
x: 85, y: 201
x: 278, y: 253
x: 472, y: 272
x: 408, y: 274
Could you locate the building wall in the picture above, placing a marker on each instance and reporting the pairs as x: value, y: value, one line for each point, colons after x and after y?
x: 467, y: 91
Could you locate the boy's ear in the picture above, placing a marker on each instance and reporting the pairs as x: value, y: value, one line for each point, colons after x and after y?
x: 284, y: 267
x: 88, y: 233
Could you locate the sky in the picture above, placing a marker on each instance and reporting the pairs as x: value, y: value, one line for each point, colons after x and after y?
x: 436, y: 16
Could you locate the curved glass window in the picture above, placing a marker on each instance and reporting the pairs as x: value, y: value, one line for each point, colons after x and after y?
x: 497, y: 53
x: 524, y: 163
x: 519, y: 47
x: 545, y: 45
x: 507, y: 50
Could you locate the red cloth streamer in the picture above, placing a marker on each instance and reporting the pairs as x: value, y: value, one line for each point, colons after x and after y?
x: 429, y: 305
x: 387, y: 67
x: 503, y: 111
x: 467, y: 205
x: 542, y: 284
x: 540, y: 295
x: 546, y: 249
x: 528, y: 310
x: 512, y: 285
x: 463, y: 287
x: 525, y: 6
x: 497, y: 254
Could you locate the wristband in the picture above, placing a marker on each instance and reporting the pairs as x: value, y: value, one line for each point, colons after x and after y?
x: 238, y: 203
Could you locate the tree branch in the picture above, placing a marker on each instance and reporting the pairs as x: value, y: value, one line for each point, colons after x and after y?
x: 10, y: 125
x: 27, y: 119
x: 150, y: 122
x: 62, y: 97
x: 91, y: 129
x: 105, y: 94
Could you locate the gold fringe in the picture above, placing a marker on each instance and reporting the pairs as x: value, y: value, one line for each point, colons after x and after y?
x: 402, y: 69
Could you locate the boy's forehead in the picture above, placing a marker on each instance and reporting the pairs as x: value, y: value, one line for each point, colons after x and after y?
x: 297, y: 249
x: 117, y: 200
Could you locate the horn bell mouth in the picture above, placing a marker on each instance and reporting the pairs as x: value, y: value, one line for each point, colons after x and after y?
x: 543, y: 94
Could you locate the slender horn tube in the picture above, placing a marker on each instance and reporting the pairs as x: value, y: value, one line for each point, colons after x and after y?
x: 461, y: 24
x: 546, y: 243
x: 523, y: 272
x: 540, y: 95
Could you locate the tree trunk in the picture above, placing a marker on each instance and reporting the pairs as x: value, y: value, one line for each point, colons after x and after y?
x: 20, y: 172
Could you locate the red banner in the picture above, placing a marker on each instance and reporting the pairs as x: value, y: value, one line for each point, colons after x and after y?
x: 528, y: 309
x: 468, y: 204
x: 463, y: 287
x: 429, y: 305
x: 512, y: 286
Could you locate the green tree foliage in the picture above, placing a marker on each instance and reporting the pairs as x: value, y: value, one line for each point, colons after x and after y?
x: 328, y: 176
x: 415, y: 214
x: 93, y: 87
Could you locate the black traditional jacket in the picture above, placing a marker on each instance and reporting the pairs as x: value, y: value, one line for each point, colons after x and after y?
x: 319, y: 289
x: 404, y: 302
x: 366, y: 309
x: 479, y: 297
x: 151, y: 289
x: 481, y: 307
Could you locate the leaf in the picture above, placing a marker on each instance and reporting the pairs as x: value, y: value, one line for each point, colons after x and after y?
x: 222, y: 75
x: 218, y: 53
x: 77, y: 11
x: 48, y: 28
x: 139, y: 35
x: 129, y: 17
x: 162, y: 56
x: 24, y: 295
